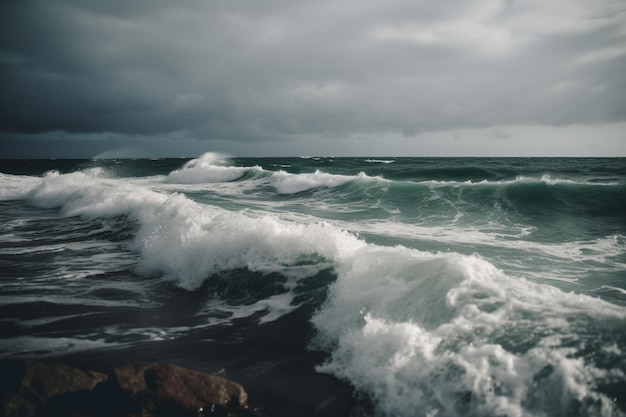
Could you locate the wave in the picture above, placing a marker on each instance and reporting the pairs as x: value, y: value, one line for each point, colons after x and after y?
x: 606, y: 252
x: 380, y: 161
x: 186, y: 242
x: 14, y: 187
x: 526, y: 196
x: 208, y: 168
x: 445, y: 334
x: 459, y: 174
x: 544, y: 179
x: 286, y: 183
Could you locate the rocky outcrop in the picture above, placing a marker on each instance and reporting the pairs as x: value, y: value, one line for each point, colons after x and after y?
x: 139, y: 389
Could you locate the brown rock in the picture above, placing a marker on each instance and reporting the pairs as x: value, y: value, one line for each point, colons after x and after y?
x: 29, y: 389
x: 16, y: 405
x: 46, y: 381
x: 158, y: 386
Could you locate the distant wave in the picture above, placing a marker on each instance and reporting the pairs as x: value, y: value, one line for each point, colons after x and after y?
x: 209, y: 168
x: 380, y: 161
x: 545, y: 179
x: 286, y: 183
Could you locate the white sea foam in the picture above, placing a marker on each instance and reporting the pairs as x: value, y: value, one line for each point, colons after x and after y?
x: 44, y: 320
x: 286, y: 183
x: 446, y: 334
x: 272, y: 308
x: 187, y: 242
x: 209, y: 168
x: 80, y: 193
x: 67, y: 300
x: 15, y: 186
x: 544, y: 179
x: 22, y: 346
x: 607, y: 252
x: 153, y: 334
x: 380, y: 161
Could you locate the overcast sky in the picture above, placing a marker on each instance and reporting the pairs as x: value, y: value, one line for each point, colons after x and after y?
x: 80, y: 78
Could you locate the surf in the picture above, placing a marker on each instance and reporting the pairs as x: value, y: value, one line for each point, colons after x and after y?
x: 430, y: 297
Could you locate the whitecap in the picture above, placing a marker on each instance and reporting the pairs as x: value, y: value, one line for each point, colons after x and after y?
x: 445, y: 334
x: 380, y: 161
x: 208, y: 168
x: 286, y: 183
x: 15, y: 187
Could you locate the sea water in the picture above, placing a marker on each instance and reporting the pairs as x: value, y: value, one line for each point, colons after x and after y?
x: 428, y: 286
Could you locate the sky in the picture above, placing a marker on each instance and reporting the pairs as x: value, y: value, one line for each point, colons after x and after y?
x: 155, y: 78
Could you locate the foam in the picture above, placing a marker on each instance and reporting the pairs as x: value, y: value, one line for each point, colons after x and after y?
x: 209, y: 168
x: 274, y: 307
x: 604, y: 253
x: 44, y: 320
x: 152, y: 334
x: 445, y: 334
x: 544, y: 179
x: 380, y: 161
x: 66, y: 300
x: 187, y: 242
x: 14, y: 187
x: 286, y: 183
x: 87, y: 194
x: 22, y: 346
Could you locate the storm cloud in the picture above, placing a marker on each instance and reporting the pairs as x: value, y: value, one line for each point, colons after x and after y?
x: 245, y: 71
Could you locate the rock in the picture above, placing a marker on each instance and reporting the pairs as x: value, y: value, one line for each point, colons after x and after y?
x: 16, y: 405
x: 29, y: 386
x: 30, y: 389
x: 165, y: 387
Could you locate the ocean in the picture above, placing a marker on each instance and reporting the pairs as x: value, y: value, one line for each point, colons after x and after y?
x: 330, y: 286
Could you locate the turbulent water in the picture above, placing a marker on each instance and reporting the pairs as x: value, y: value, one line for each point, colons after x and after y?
x: 430, y: 286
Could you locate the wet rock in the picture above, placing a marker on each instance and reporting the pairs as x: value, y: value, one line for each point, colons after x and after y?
x: 159, y: 388
x: 30, y: 389
x: 46, y: 381
x: 16, y: 405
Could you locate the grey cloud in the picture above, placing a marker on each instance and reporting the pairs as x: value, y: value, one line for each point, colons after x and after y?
x: 249, y: 70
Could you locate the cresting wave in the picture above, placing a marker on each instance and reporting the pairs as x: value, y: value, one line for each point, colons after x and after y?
x: 421, y: 333
x: 286, y: 183
x: 187, y: 241
x: 214, y: 168
x: 380, y: 161
x: 209, y: 168
x: 452, y: 335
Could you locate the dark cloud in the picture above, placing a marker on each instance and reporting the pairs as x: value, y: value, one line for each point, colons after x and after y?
x: 250, y: 71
